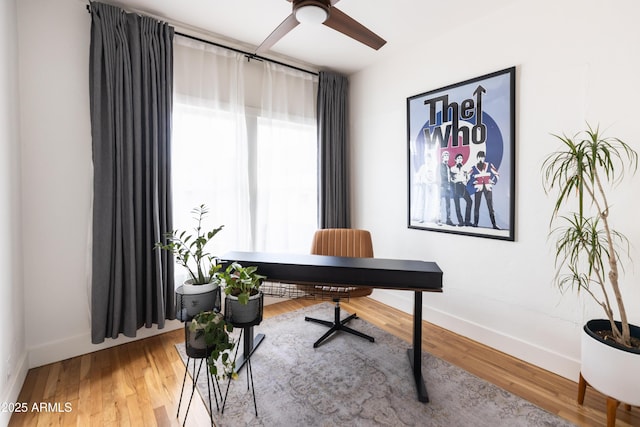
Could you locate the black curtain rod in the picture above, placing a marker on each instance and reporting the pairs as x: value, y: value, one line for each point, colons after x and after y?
x: 247, y: 54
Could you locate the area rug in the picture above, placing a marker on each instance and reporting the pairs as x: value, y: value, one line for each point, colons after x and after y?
x: 349, y: 381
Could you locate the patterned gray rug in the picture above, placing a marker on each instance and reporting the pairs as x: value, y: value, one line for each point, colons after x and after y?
x: 349, y: 381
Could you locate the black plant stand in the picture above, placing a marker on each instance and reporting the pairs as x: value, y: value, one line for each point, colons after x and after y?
x: 187, y: 306
x: 249, y: 344
x: 199, y: 356
x: 250, y: 386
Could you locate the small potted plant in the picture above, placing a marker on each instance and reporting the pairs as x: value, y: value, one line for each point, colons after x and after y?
x: 242, y: 287
x: 190, y: 252
x: 208, y: 336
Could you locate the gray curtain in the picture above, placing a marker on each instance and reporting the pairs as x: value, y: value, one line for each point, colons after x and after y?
x: 130, y: 76
x: 333, y: 203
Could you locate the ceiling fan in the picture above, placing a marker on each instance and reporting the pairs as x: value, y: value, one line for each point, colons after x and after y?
x: 325, y: 12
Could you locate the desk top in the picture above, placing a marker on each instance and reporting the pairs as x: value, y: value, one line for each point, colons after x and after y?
x: 375, y: 272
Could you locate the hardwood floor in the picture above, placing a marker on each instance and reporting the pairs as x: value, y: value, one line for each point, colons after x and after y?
x: 139, y: 383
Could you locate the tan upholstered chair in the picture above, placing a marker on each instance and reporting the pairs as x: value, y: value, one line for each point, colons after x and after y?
x: 348, y: 243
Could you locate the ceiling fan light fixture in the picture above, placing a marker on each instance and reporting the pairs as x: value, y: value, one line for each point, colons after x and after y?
x: 311, y: 14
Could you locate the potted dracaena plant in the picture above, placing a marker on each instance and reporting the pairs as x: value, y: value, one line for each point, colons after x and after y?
x: 587, y: 253
x: 189, y: 250
x: 244, y: 300
x: 208, y: 335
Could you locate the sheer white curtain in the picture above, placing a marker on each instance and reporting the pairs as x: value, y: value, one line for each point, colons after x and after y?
x: 244, y: 143
x: 287, y: 160
x: 210, y: 145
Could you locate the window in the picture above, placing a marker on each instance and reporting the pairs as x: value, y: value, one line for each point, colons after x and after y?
x: 286, y: 186
x: 250, y: 156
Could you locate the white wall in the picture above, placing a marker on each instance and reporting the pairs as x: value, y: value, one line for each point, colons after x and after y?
x: 13, y: 366
x: 576, y: 61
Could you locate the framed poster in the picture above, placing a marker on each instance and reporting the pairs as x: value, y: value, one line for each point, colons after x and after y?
x: 461, y: 157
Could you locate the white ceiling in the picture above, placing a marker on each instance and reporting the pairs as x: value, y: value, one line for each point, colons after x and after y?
x: 246, y: 23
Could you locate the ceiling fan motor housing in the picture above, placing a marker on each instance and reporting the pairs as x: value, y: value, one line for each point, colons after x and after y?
x: 325, y: 5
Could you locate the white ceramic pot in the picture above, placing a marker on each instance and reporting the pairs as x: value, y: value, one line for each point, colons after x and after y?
x: 196, y: 347
x: 192, y: 299
x: 189, y: 288
x: 196, y: 343
x: 243, y: 313
x: 615, y: 372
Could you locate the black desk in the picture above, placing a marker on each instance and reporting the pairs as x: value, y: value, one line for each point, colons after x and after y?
x: 417, y: 276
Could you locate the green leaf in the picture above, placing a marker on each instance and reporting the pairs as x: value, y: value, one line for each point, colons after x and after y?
x: 581, y: 174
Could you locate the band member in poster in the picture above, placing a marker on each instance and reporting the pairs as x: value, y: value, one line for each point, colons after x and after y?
x: 484, y: 176
x: 459, y: 179
x: 427, y: 190
x: 445, y: 185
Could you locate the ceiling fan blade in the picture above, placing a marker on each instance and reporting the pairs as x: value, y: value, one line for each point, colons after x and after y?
x: 343, y: 23
x: 287, y: 25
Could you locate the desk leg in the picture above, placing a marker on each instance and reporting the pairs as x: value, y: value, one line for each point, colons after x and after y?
x: 249, y: 345
x: 415, y: 354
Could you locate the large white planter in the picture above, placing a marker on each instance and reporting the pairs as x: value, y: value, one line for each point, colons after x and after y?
x: 615, y: 372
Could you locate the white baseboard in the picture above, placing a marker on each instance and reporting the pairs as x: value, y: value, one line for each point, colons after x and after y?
x: 549, y: 360
x: 14, y: 387
x: 55, y: 351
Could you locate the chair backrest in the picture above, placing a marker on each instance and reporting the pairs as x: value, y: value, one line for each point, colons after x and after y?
x: 346, y: 242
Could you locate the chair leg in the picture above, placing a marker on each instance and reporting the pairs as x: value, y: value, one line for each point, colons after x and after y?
x: 357, y: 333
x: 327, y: 334
x: 337, y: 325
x: 322, y: 322
x: 348, y: 319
